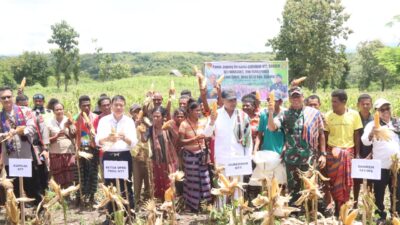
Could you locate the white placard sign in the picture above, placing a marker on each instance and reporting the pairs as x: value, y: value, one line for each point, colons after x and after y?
x: 366, y: 169
x: 237, y: 165
x: 20, y: 167
x: 116, y: 169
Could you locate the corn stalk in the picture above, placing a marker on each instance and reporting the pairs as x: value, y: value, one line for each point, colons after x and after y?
x: 59, y: 197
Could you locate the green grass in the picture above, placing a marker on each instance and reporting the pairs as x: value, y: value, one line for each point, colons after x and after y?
x: 135, y: 88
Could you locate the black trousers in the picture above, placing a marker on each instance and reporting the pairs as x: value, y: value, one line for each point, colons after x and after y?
x: 33, y: 186
x: 379, y: 189
x: 121, y: 156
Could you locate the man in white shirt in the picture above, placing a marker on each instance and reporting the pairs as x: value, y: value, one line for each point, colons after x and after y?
x: 116, y: 133
x: 383, y: 150
x: 232, y: 130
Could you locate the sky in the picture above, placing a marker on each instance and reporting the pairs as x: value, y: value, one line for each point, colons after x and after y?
x: 225, y: 26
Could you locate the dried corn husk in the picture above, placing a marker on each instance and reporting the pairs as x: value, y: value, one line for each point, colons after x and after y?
x: 60, y: 193
x: 85, y: 155
x: 260, y: 201
x: 12, y: 210
x: 344, y: 210
x: 111, y: 195
x: 383, y: 134
x: 176, y: 176
x: 6, y: 183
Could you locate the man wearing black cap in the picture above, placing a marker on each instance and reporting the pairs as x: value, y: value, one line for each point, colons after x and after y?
x: 232, y: 130
x: 304, y: 134
x: 40, y: 142
x: 38, y: 107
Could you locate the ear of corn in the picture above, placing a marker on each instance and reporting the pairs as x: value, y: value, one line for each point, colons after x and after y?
x: 172, y: 85
x: 220, y: 79
x: 167, y: 125
x: 351, y: 217
x: 274, y: 188
x: 23, y: 83
x: 214, y: 108
x: 258, y: 96
x: 223, y: 179
x: 203, y: 82
x: 169, y: 195
x: 298, y: 81
x: 272, y: 97
x: 195, y: 69
x: 395, y: 221
x: 377, y: 120
x: 69, y: 116
x: 152, y: 87
x: 113, y: 131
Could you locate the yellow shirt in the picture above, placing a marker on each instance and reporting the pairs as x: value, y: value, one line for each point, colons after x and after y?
x: 341, y: 128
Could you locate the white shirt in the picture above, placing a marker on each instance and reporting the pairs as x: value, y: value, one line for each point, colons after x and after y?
x: 226, y: 144
x: 382, y: 150
x: 125, y: 125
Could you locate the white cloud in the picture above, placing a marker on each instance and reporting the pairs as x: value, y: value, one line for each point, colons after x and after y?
x: 171, y: 25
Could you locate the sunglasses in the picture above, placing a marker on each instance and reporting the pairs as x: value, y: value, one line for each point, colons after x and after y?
x: 384, y: 109
x: 6, y: 97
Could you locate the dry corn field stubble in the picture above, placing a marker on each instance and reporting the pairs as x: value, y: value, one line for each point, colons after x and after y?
x: 269, y: 207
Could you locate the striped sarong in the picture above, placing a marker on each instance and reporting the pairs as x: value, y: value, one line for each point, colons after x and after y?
x: 62, y: 167
x: 339, y: 171
x: 89, y: 172
x: 197, y: 185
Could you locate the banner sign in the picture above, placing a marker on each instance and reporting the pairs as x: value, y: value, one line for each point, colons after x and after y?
x: 247, y: 77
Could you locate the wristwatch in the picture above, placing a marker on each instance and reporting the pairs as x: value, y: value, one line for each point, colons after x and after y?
x: 324, y: 153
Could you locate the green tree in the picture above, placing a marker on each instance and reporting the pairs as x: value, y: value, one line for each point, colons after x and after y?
x: 6, y: 75
x: 34, y: 66
x: 67, y: 54
x: 120, y: 70
x: 309, y: 32
x: 370, y: 68
x: 389, y: 58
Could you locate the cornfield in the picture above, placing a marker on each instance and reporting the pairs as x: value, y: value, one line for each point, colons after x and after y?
x: 134, y: 90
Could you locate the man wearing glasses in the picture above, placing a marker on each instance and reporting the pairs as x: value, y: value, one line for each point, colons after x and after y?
x: 19, y: 145
x: 383, y: 150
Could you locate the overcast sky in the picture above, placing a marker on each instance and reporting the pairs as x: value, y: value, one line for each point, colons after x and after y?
x: 173, y: 25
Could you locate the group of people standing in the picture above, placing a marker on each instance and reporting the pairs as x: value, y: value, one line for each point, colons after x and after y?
x: 195, y: 138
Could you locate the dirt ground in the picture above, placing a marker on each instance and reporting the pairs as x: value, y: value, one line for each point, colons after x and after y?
x: 91, y: 216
